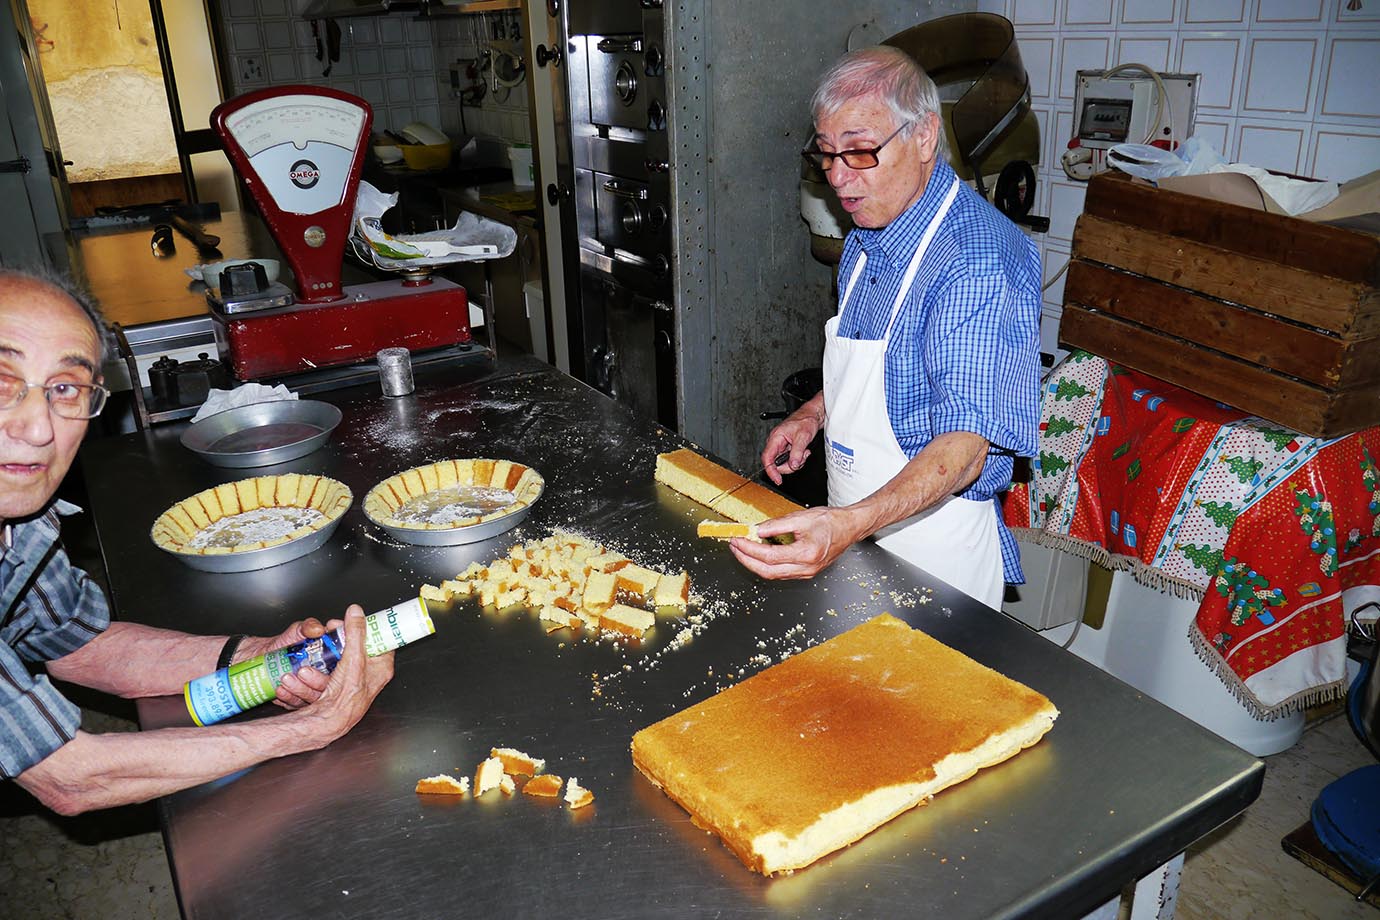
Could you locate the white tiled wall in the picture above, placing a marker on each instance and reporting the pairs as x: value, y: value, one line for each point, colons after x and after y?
x: 1291, y: 85
x: 399, y: 63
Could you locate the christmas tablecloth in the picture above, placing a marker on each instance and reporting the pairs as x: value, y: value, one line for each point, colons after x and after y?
x: 1277, y: 533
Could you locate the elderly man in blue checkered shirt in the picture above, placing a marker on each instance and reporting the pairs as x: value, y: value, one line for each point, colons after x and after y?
x: 54, y: 623
x: 931, y: 367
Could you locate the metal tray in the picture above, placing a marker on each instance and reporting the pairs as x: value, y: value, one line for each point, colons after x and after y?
x: 455, y: 536
x: 262, y: 434
x: 253, y: 559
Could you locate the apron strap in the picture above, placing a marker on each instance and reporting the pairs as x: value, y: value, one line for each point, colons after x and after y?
x: 919, y: 256
x: 911, y: 269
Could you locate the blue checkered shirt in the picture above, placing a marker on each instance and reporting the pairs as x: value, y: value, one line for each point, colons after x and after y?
x: 965, y: 352
x: 48, y: 608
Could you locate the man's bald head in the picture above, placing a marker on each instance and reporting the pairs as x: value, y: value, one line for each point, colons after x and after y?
x: 13, y: 281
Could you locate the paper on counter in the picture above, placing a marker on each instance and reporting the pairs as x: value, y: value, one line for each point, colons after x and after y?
x: 472, y: 239
x: 246, y: 395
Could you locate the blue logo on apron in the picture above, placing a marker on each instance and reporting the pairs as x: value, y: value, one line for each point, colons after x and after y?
x: 842, y: 456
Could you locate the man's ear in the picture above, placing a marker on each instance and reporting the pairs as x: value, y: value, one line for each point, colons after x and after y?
x: 927, y: 135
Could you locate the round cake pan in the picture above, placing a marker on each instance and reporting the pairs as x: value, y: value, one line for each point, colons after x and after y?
x: 262, y: 434
x: 259, y: 558
x: 456, y: 536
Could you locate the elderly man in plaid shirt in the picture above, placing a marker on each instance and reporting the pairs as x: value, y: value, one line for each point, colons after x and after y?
x: 55, y: 623
x: 931, y: 367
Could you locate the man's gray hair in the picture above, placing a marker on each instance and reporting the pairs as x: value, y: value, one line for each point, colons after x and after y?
x: 68, y: 287
x: 892, y: 76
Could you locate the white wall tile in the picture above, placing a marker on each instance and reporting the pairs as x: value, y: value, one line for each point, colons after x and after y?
x: 1217, y: 58
x: 399, y: 90
x: 423, y: 89
x: 1049, y: 332
x: 1352, y: 82
x: 242, y: 8
x: 375, y: 92
x: 1037, y: 53
x: 361, y: 31
x: 277, y: 34
x: 302, y: 33
x: 1042, y: 118
x: 1077, y: 54
x: 1149, y: 12
x: 1285, y: 13
x: 282, y: 67
x: 418, y: 31
x: 1278, y: 146
x: 1279, y: 74
x: 1219, y: 14
x: 391, y: 31
x: 395, y: 60
x: 244, y: 36
x: 1221, y: 133
x: 1063, y: 131
x: 368, y: 61
x: 274, y: 8
x: 1056, y: 256
x: 1035, y: 12
x: 1065, y: 204
x: 1341, y: 154
x: 1137, y: 48
x: 1088, y: 13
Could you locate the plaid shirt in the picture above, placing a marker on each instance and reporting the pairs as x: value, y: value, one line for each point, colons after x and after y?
x: 48, y: 608
x: 965, y: 352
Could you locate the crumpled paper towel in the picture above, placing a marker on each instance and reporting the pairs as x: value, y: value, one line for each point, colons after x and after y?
x: 470, y: 229
x: 246, y: 395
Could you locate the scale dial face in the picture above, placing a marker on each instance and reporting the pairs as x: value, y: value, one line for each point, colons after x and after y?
x: 301, y: 147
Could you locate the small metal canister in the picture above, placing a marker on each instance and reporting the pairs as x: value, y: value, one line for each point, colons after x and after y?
x: 395, y: 371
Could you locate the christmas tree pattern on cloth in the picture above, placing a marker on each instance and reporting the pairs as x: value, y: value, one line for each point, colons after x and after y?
x: 1315, y: 518
x: 1248, y: 593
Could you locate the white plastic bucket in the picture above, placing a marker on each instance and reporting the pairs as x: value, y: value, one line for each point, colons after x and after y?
x: 520, y: 156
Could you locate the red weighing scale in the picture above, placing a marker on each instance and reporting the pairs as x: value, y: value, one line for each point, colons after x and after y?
x: 299, y: 151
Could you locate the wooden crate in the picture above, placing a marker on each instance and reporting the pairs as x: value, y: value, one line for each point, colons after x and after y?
x: 1277, y: 316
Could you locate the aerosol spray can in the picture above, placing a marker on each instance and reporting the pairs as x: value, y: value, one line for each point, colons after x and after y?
x: 242, y: 686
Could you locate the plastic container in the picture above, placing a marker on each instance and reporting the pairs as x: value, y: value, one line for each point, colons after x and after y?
x: 524, y: 174
x: 427, y: 156
x: 242, y: 686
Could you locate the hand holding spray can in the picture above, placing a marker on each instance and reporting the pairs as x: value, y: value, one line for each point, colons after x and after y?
x: 242, y: 686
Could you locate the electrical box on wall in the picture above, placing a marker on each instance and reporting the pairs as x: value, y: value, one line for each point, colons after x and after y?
x: 1132, y: 106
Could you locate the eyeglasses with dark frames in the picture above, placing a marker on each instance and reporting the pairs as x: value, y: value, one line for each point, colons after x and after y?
x: 859, y: 158
x: 65, y: 399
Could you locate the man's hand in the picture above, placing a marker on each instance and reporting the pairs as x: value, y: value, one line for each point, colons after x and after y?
x: 352, y: 686
x: 821, y: 536
x: 306, y: 684
x: 794, y: 435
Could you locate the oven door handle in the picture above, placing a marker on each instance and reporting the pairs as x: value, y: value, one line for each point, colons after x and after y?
x: 634, y: 194
x: 620, y: 45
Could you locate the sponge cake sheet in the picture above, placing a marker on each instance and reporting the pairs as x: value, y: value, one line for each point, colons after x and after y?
x: 819, y: 750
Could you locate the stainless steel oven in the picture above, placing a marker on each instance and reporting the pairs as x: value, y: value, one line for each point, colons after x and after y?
x: 622, y: 203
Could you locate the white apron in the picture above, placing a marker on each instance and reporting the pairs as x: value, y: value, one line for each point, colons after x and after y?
x: 955, y: 540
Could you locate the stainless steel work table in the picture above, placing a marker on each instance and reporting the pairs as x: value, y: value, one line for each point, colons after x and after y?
x: 1119, y: 786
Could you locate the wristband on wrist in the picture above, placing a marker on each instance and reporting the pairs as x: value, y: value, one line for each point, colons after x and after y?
x: 227, y: 651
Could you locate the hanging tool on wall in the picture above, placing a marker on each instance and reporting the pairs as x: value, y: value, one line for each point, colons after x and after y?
x: 327, y: 49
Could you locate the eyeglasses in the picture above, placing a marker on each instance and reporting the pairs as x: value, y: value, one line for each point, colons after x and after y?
x: 861, y: 158
x: 65, y: 399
